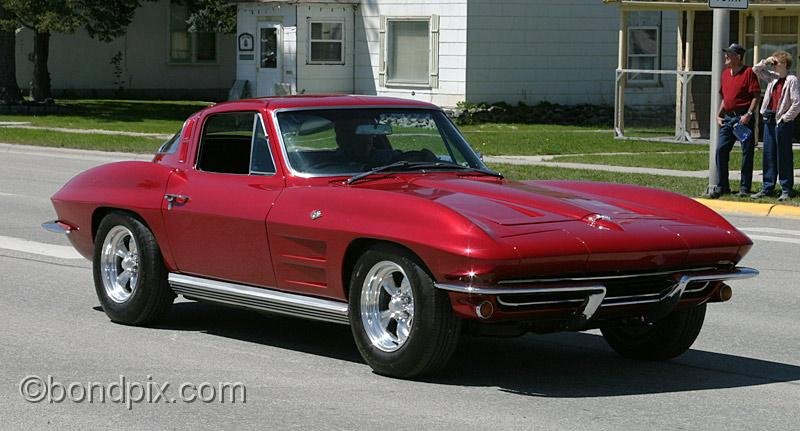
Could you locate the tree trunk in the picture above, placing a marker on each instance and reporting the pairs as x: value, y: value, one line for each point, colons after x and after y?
x: 41, y: 76
x: 9, y: 90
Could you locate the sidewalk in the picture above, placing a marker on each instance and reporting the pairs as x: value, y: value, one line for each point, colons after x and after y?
x: 547, y: 161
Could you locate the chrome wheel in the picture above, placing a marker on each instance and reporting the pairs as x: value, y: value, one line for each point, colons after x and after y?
x: 119, y: 264
x: 387, y: 306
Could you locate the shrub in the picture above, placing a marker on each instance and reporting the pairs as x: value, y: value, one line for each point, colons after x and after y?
x: 542, y: 113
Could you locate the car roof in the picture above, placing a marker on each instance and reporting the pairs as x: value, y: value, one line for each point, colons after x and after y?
x: 332, y: 100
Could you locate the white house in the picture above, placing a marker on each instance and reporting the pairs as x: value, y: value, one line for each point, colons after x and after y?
x: 443, y: 51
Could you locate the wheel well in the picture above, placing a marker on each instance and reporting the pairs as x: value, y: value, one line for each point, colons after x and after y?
x: 101, y: 212
x: 358, y: 246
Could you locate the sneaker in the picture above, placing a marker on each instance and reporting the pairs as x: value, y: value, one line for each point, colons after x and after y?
x: 761, y: 194
x: 711, y: 195
x: 784, y: 197
x: 743, y: 193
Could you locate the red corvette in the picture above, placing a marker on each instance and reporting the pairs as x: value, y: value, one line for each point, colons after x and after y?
x: 375, y: 212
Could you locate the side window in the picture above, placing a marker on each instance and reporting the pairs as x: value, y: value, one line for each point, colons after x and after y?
x: 171, y: 145
x: 226, y: 143
x: 261, y: 162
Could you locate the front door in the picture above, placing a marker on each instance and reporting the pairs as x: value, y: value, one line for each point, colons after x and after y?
x: 270, y: 65
x: 216, y: 221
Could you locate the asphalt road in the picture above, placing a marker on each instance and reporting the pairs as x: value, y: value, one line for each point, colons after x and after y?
x: 743, y: 372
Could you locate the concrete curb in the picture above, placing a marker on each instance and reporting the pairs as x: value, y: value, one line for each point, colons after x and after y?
x: 754, y: 209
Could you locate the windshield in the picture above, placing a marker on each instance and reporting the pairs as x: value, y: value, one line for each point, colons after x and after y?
x: 350, y: 141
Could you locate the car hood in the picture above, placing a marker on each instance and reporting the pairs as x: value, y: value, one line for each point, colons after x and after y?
x: 510, y: 204
x: 583, y: 227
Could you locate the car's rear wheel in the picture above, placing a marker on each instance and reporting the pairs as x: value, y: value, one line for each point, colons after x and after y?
x: 129, y: 274
x: 662, y: 340
x: 403, y: 326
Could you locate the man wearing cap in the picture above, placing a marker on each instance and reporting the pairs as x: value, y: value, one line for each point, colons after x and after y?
x: 740, y: 91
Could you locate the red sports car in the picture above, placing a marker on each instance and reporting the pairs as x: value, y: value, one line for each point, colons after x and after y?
x: 376, y: 213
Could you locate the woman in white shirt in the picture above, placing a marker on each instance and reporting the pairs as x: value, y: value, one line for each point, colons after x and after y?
x: 780, y: 107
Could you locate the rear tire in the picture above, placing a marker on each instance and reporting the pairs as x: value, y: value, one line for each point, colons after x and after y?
x: 403, y: 326
x: 130, y: 278
x: 662, y: 340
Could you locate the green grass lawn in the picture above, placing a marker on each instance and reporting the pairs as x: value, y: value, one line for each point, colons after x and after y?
x: 146, y: 116
x: 46, y: 138
x: 536, y: 139
x: 689, y: 161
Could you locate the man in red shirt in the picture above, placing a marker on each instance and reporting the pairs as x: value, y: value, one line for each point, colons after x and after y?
x: 740, y: 91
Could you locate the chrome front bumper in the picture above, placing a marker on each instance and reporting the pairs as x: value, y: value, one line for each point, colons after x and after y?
x: 591, y: 293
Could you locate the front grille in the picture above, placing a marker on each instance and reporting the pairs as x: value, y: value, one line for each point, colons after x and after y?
x: 625, y: 289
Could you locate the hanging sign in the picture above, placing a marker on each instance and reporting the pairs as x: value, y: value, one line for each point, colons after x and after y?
x: 728, y: 4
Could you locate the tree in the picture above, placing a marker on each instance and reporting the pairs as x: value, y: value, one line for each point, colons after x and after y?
x: 102, y: 19
x: 9, y: 90
x: 214, y: 16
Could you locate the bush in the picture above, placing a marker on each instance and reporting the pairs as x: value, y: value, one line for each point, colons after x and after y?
x: 542, y: 113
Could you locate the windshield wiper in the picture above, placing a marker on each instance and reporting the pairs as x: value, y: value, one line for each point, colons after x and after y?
x: 406, y: 165
x: 384, y: 168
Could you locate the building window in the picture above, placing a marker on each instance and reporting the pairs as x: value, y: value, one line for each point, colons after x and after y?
x: 410, y: 51
x: 326, y: 43
x: 778, y: 33
x: 186, y: 47
x: 643, y: 54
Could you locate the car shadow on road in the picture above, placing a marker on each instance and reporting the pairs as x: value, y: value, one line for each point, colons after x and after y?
x: 561, y: 365
x: 317, y: 338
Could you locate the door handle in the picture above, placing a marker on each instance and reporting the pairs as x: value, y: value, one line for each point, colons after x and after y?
x: 173, y: 199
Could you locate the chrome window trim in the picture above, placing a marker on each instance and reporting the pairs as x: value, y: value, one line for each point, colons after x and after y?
x: 202, y: 126
x: 285, y: 155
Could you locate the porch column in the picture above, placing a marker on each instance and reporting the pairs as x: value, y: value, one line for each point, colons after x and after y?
x: 622, y: 63
x: 680, y: 65
x: 757, y: 36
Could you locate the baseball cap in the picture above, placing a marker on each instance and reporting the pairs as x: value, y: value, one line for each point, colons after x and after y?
x: 735, y: 48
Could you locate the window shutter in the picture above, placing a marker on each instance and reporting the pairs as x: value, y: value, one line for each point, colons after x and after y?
x: 434, y: 61
x: 383, y: 53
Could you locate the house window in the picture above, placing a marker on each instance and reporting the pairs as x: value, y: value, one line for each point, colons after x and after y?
x: 410, y: 51
x: 186, y: 47
x: 643, y: 54
x: 326, y: 44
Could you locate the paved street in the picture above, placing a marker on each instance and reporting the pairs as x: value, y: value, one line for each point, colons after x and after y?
x: 743, y: 372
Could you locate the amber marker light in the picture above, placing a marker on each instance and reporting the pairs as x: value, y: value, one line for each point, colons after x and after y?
x: 484, y: 310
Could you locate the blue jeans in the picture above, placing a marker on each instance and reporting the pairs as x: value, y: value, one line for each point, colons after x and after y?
x: 778, y: 157
x: 726, y: 141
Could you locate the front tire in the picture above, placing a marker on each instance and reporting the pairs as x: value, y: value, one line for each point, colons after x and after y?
x: 130, y: 278
x: 403, y: 326
x: 662, y: 340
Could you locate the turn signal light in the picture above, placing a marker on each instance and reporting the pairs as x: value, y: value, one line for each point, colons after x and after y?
x: 484, y: 310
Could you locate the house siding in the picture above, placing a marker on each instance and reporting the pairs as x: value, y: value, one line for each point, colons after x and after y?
x: 562, y: 51
x: 81, y: 65
x: 452, y: 48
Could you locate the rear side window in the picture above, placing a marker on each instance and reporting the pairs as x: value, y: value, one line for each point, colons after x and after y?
x: 171, y: 145
x: 234, y: 143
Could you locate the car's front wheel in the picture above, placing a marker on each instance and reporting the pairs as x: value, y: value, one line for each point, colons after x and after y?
x: 662, y: 340
x: 129, y: 274
x: 403, y: 326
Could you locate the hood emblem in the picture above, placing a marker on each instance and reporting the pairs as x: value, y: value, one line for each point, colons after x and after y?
x: 602, y: 222
x: 316, y: 214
